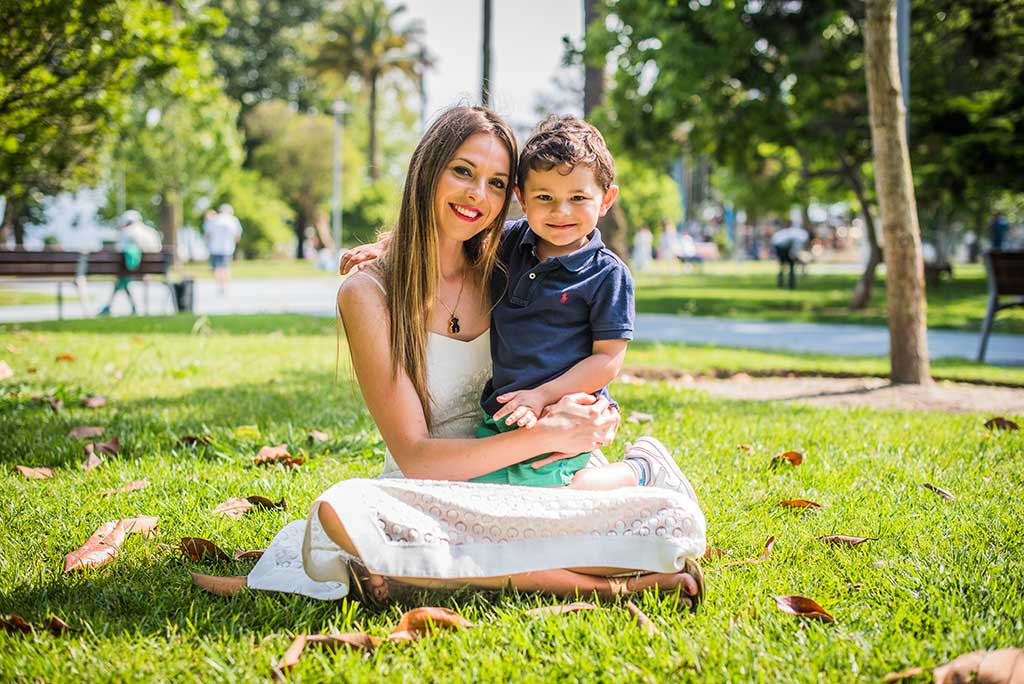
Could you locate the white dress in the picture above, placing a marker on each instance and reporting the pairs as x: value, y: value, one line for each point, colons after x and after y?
x: 440, y: 529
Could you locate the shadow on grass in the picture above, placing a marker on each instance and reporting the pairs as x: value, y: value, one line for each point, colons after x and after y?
x: 288, y: 325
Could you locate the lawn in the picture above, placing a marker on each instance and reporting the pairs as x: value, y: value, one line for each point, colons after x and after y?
x: 940, y: 577
x: 259, y: 268
x: 748, y: 290
x: 12, y: 296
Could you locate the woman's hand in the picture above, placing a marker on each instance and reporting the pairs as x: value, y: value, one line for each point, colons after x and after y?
x: 578, y: 423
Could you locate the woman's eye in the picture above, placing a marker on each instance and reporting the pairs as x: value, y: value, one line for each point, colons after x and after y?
x: 498, y: 183
x: 463, y: 171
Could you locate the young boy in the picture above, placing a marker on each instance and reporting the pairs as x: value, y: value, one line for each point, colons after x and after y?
x: 562, y: 323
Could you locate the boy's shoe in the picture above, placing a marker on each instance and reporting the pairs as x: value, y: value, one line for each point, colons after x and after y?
x: 664, y: 472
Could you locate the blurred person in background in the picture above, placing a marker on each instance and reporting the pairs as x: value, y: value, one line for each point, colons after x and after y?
x: 643, y: 248
x: 222, y: 231
x: 134, y: 239
x: 787, y: 243
x: 997, y: 230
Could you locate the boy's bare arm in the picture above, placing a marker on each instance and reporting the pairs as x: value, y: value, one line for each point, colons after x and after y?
x: 589, y: 375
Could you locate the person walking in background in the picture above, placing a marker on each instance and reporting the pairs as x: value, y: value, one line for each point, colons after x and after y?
x: 134, y: 239
x: 997, y: 230
x: 667, y: 242
x: 643, y: 248
x: 222, y: 231
x: 787, y: 243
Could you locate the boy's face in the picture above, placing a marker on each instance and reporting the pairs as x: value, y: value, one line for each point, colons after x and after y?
x: 563, y: 207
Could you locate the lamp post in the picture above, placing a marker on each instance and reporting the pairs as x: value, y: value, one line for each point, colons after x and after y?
x: 339, y: 108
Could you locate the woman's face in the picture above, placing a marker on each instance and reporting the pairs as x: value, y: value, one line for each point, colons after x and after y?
x: 472, y: 188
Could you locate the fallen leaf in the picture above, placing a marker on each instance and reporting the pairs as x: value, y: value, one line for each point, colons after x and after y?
x: 35, y: 473
x: 792, y: 457
x: 639, y: 417
x: 713, y: 552
x: 130, y: 487
x: 292, y: 655
x: 359, y: 640
x: 56, y: 625
x: 5, y: 371
x: 903, y: 674
x: 55, y: 403
x: 92, y: 460
x: 104, y: 543
x: 1000, y: 423
x: 646, y: 626
x: 768, y: 546
x: 248, y: 553
x: 66, y: 358
x: 802, y: 606
x: 193, y: 440
x: 277, y: 454
x: 561, y: 608
x: 947, y: 495
x: 11, y: 349
x: 86, y: 431
x: 221, y: 586
x: 1005, y: 666
x: 239, y: 506
x: 199, y: 549
x: 799, y: 503
x: 422, y: 621
x: 740, y: 377
x: 317, y: 436
x: 844, y: 539
x: 15, y: 623
x: 111, y: 447
x: 94, y: 401
x: 746, y: 448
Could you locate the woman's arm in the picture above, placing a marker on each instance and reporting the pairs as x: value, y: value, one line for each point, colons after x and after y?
x: 570, y: 426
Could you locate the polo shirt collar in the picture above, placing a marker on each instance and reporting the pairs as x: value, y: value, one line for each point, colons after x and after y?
x: 570, y: 262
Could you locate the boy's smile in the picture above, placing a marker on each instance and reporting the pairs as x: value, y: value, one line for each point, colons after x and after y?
x: 562, y: 206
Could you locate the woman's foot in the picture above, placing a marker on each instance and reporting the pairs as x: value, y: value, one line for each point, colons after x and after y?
x: 689, y: 584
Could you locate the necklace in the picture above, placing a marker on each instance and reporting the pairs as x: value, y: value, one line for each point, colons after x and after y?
x: 453, y: 320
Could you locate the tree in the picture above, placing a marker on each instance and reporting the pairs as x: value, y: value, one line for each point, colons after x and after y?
x: 904, y: 268
x: 648, y: 196
x: 363, y: 40
x: 485, y: 62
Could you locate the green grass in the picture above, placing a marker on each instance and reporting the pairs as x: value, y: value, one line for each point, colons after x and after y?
x: 15, y: 297
x: 260, y: 268
x: 942, y: 577
x: 747, y: 290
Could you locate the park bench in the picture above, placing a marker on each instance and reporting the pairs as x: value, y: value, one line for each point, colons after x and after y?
x: 1005, y: 272
x: 76, y: 268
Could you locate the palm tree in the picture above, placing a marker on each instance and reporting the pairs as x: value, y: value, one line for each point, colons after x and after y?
x: 364, y: 40
x: 485, y: 76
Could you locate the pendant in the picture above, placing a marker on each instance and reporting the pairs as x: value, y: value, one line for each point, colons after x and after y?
x: 453, y: 325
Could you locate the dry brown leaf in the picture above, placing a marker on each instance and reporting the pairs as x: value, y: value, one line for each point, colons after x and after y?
x: 802, y: 606
x: 359, y: 640
x: 5, y: 371
x: 277, y: 454
x: 712, y: 552
x: 945, y: 494
x: 903, y: 674
x: 104, y: 543
x: 86, y: 431
x: 239, y: 506
x: 221, y: 586
x: 768, y: 546
x: 193, y: 440
x: 844, y: 539
x: 1005, y: 666
x: 94, y: 401
x: 561, y: 608
x: 15, y: 623
x: 248, y: 553
x: 66, y: 358
x: 317, y: 436
x: 199, y: 549
x: 646, y: 626
x: 422, y: 621
x: 799, y: 503
x: 35, y: 473
x: 111, y: 447
x: 640, y: 417
x: 1000, y: 423
x: 12, y: 349
x: 292, y: 655
x: 92, y: 460
x: 130, y: 487
x: 792, y: 457
x: 740, y: 377
x: 55, y: 403
x: 56, y: 625
x: 746, y: 448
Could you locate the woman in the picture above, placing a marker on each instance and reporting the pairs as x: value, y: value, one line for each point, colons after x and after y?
x: 422, y: 389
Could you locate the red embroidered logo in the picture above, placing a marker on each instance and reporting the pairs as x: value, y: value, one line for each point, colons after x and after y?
x: 565, y: 297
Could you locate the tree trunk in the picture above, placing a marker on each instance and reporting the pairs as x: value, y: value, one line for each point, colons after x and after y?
x: 593, y: 75
x: 13, y: 222
x: 904, y: 269
x: 485, y: 76
x: 301, y: 221
x: 170, y: 219
x: 373, y: 128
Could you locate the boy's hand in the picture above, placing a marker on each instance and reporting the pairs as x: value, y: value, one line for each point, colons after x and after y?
x: 360, y: 257
x: 521, y: 407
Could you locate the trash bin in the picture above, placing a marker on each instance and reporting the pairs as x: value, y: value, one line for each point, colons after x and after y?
x: 184, y: 295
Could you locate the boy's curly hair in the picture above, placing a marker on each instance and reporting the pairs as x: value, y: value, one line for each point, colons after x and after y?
x: 566, y: 140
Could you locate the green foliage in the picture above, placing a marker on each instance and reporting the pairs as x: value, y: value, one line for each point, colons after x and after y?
x: 376, y: 209
x: 648, y: 195
x: 264, y: 215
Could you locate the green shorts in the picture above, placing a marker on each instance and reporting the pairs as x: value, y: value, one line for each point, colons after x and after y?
x: 557, y: 474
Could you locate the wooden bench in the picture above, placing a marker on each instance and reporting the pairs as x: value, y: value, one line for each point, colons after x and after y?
x: 76, y: 268
x: 1005, y: 272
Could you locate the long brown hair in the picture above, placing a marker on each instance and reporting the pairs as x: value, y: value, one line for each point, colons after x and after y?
x: 410, y: 265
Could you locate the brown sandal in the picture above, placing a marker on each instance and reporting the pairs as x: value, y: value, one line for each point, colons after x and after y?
x: 362, y: 582
x: 693, y: 569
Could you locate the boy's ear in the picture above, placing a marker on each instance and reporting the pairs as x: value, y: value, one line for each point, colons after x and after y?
x: 609, y: 198
x: 519, y: 196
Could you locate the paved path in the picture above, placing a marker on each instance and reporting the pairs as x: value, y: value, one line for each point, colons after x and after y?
x: 316, y: 296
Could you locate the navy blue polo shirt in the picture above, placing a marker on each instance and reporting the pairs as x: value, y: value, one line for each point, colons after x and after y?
x: 550, y: 313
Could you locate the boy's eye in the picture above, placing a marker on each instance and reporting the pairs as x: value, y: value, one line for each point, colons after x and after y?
x: 578, y: 198
x: 544, y: 198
